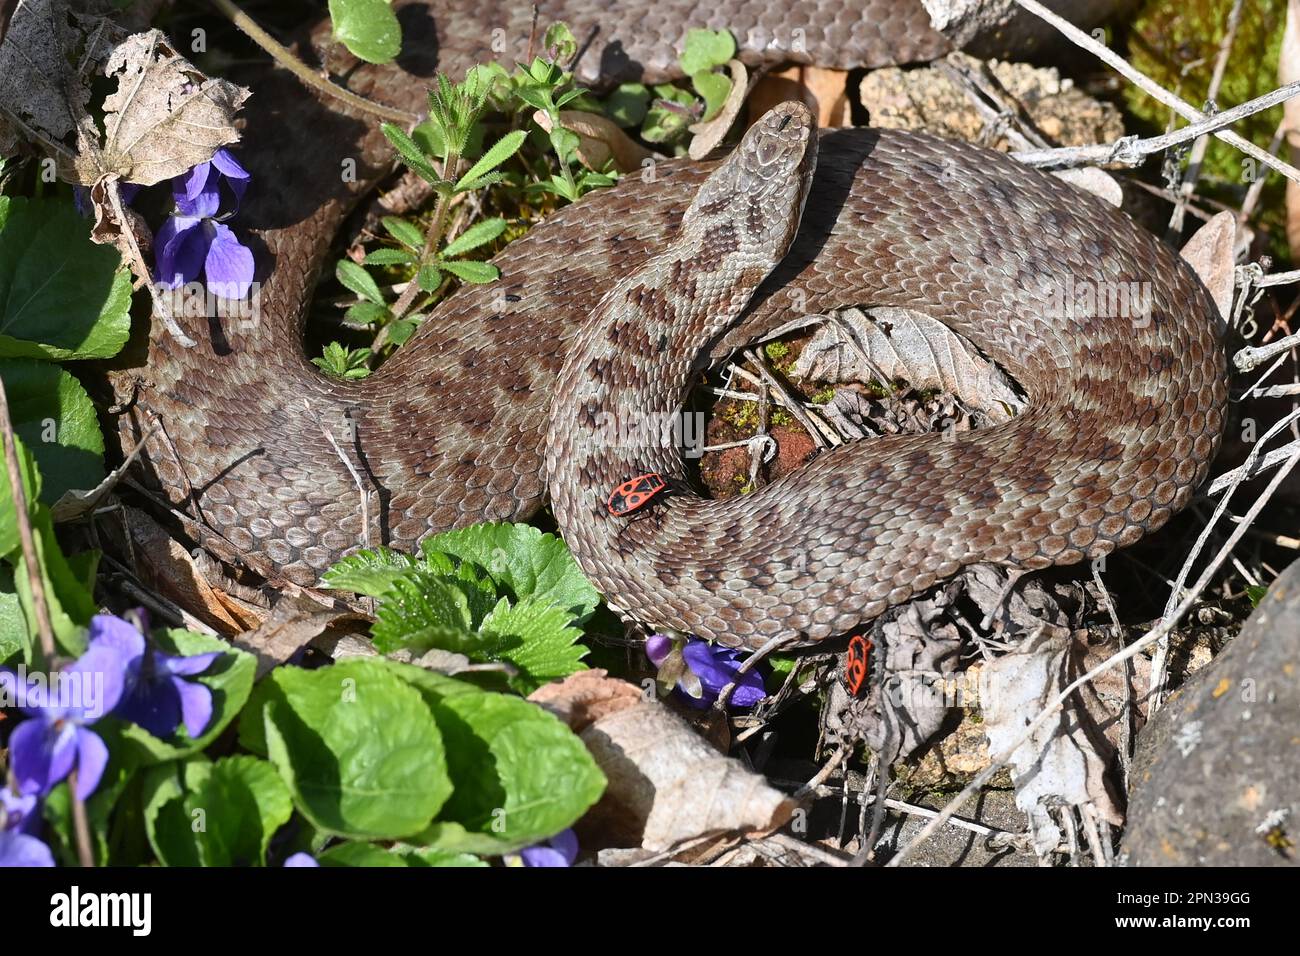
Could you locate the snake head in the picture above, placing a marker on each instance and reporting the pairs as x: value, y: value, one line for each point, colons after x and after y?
x: 760, y: 189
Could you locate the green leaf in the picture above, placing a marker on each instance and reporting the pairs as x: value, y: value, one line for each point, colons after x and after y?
x: 520, y: 774
x: 55, y: 417
x: 501, y: 150
x: 715, y: 88
x: 407, y: 233
x: 243, y: 802
x: 421, y: 613
x: 529, y: 563
x: 368, y: 28
x: 410, y: 153
x: 342, y: 362
x: 61, y: 295
x: 626, y: 106
x: 478, y: 273
x: 15, y: 638
x: 358, y: 280
x: 357, y: 746
x: 371, y: 572
x: 559, y: 42
x: 476, y: 235
x: 360, y: 855
x: 400, y: 330
x: 429, y: 277
x: 199, y: 813
x: 230, y: 680
x: 389, y: 257
x: 1255, y: 593
x: 536, y: 637
x: 361, y: 314
x: 103, y: 803
x: 705, y: 49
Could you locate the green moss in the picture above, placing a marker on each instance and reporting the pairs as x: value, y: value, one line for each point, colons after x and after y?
x: 1176, y: 43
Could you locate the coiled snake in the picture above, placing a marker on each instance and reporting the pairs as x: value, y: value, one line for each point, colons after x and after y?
x: 614, y: 302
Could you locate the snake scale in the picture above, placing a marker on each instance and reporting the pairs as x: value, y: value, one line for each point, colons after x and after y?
x: 613, y: 303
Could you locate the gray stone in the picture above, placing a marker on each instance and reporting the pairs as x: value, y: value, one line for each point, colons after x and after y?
x: 1216, y: 777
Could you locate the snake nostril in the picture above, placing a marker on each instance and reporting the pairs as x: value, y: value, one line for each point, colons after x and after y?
x: 785, y: 121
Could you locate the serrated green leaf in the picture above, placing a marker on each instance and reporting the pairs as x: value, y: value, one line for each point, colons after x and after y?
x: 361, y: 314
x: 429, y: 277
x: 400, y: 330
x: 478, y: 273
x: 537, y: 638
x: 529, y: 563
x: 475, y: 236
x: 501, y: 150
x: 423, y: 612
x: 368, y: 28
x: 407, y: 233
x: 356, y: 745
x: 358, y: 280
x: 371, y: 572
x: 705, y: 49
x: 55, y: 417
x: 61, y: 295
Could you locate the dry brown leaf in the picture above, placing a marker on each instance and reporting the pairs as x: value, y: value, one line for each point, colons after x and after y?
x: 583, y: 698
x: 888, y: 344
x: 294, y: 622
x: 170, y: 570
x: 1064, y: 761
x: 1211, y: 253
x: 666, y: 784
x: 707, y: 136
x: 162, y: 117
x: 600, y: 139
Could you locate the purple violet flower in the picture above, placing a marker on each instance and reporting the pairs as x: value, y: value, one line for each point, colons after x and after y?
x: 156, y: 697
x: 195, y: 239
x: 301, y: 859
x: 19, y: 822
x: 44, y: 749
x: 714, y: 665
x: 559, y: 851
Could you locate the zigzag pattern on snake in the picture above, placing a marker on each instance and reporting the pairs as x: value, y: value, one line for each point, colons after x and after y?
x: 1123, y: 420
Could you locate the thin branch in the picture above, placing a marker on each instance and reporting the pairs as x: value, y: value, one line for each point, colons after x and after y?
x: 1049, y: 712
x: 1149, y: 86
x: 283, y: 56
x: 80, y: 824
x: 1131, y: 151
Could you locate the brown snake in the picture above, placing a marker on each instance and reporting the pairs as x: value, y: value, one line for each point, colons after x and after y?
x: 1123, y: 419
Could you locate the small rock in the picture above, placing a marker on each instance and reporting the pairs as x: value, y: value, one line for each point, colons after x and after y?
x: 1216, y: 778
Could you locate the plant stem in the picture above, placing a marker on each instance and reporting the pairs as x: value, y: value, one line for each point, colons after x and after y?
x: 431, y: 238
x: 44, y: 629
x: 80, y: 823
x: 286, y: 59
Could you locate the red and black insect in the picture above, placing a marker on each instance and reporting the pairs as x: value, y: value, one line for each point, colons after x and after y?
x: 634, y: 493
x: 857, y: 664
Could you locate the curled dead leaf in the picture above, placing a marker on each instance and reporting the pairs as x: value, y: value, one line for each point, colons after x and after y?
x: 1212, y: 253
x: 708, y: 135
x: 666, y: 784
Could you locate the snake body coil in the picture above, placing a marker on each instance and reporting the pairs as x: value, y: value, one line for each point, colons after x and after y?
x: 473, y: 417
